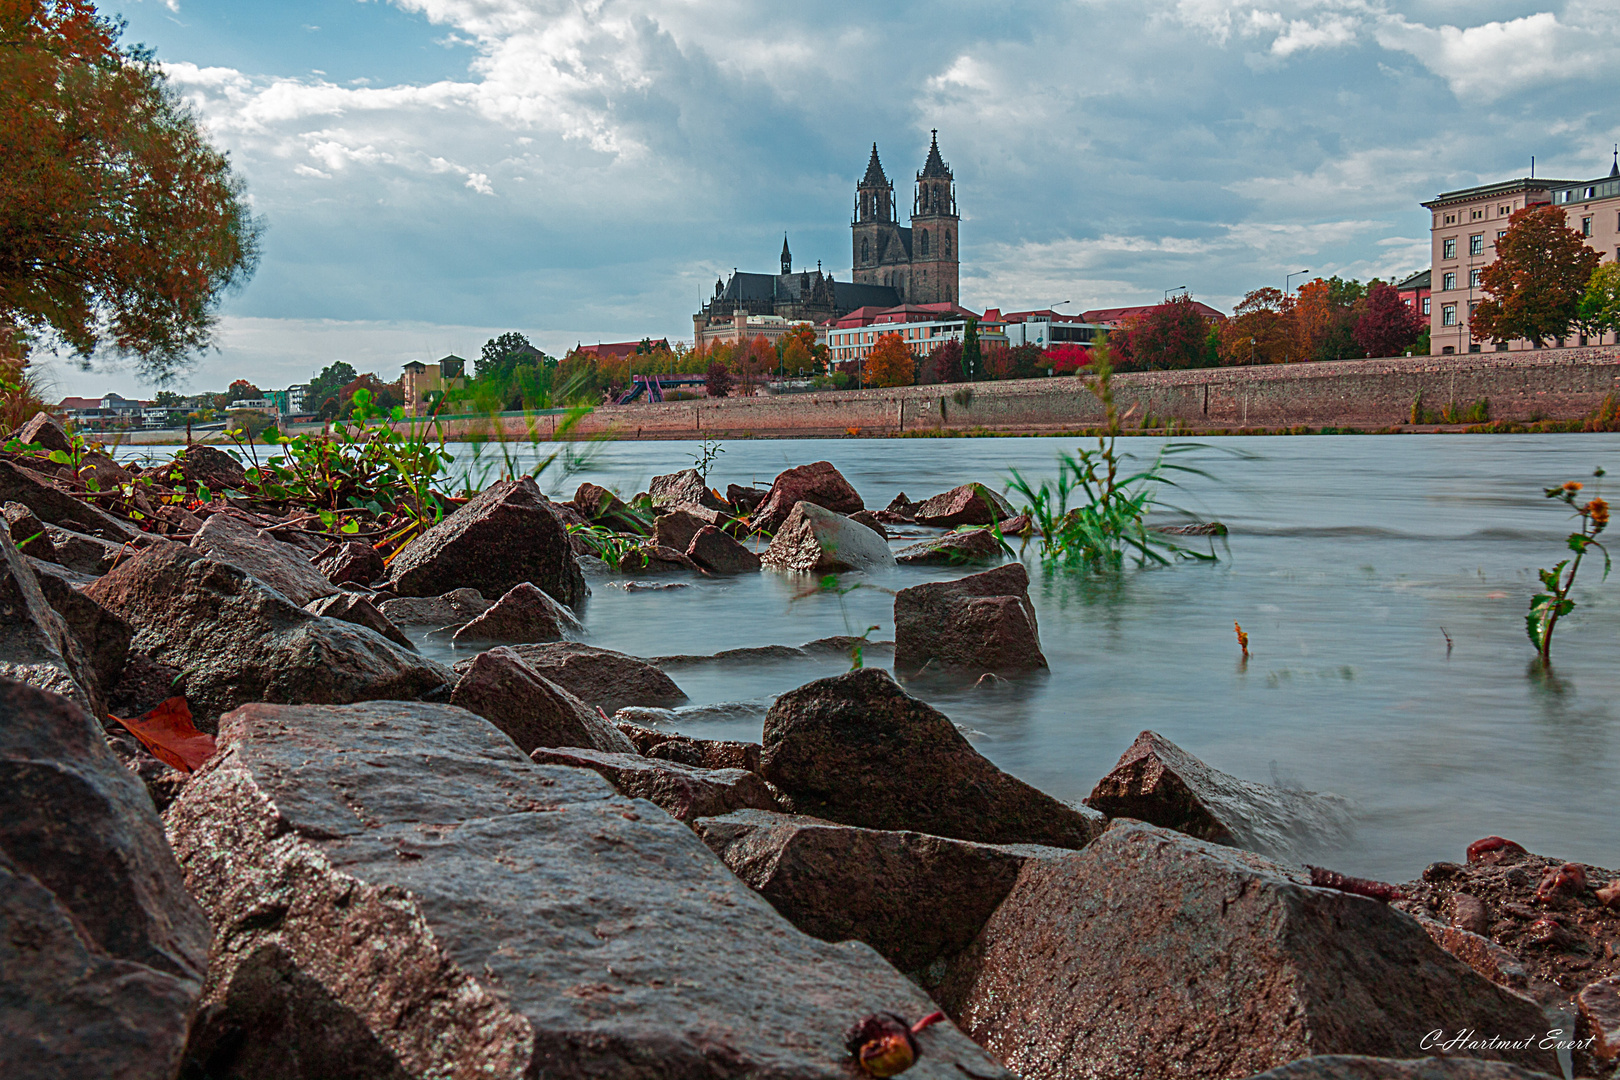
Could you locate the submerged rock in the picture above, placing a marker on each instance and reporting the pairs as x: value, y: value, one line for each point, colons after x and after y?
x: 454, y: 608
x: 676, y: 528
x: 1154, y: 954
x: 102, y: 951
x: 970, y: 504
x: 953, y: 549
x: 602, y: 678
x: 523, y: 614
x: 524, y: 921
x: 858, y: 750
x: 718, y: 553
x: 683, y: 791
x: 816, y: 541
x: 533, y: 710
x: 819, y: 484
x: 1158, y: 782
x: 976, y: 624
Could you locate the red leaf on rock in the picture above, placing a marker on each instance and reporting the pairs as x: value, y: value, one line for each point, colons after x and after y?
x: 168, y: 733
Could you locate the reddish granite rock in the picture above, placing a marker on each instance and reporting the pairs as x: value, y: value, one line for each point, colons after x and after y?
x: 744, y: 499
x: 53, y: 506
x: 502, y: 537
x: 684, y: 792
x: 523, y: 614
x: 43, y: 431
x: 36, y: 646
x: 953, y: 549
x: 28, y: 532
x: 602, y: 678
x: 350, y: 562
x: 867, y: 518
x: 980, y: 623
x: 601, y: 507
x: 102, y: 951
x: 817, y: 541
x: 858, y: 750
x: 970, y: 504
x: 1158, y: 782
x: 676, y: 528
x: 358, y: 609
x: 819, y: 484
x: 684, y: 489
x: 1153, y: 954
x: 454, y: 608
x: 102, y: 637
x: 1354, y: 1067
x: 914, y: 898
x: 525, y: 920
x: 214, y: 469
x: 283, y: 567
x: 718, y: 553
x: 1599, y: 1005
x: 654, y: 558
x: 533, y: 710
x: 703, y: 753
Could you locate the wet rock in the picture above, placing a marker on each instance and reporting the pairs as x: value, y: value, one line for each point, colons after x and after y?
x: 1018, y: 525
x: 523, y: 614
x: 1356, y: 1067
x: 527, y: 921
x: 601, y: 507
x: 54, y: 506
x: 912, y: 897
x: 970, y: 504
x: 1158, y: 782
x: 813, y: 540
x: 683, y: 791
x: 503, y: 536
x: 744, y: 499
x: 28, y: 532
x: 901, y: 509
x: 818, y: 484
x: 1154, y: 954
x: 358, y: 609
x: 212, y: 468
x: 102, y: 951
x: 1599, y: 1005
x: 1486, y: 957
x: 350, y: 562
x: 703, y: 753
x: 1197, y: 528
x: 35, y: 645
x: 714, y: 551
x: 602, y: 678
x: 103, y: 638
x: 684, y: 489
x: 654, y: 558
x: 533, y: 710
x: 454, y: 608
x: 983, y: 622
x: 953, y: 549
x: 858, y: 750
x: 99, y: 472
x: 237, y: 640
x: 867, y: 518
x: 1468, y: 913
x: 43, y: 431
x: 281, y: 566
x: 676, y: 528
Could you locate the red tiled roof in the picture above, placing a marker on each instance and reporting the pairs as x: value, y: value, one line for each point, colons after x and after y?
x: 1115, y: 316
x: 620, y: 349
x: 80, y: 403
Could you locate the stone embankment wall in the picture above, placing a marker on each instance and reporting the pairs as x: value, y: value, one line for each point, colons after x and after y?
x: 1551, y: 384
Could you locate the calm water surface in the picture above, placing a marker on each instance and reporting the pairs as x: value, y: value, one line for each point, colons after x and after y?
x: 1347, y: 557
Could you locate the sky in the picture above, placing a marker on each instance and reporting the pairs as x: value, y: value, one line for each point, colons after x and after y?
x: 432, y: 173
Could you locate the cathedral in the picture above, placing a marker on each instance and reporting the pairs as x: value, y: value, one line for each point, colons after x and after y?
x: 893, y: 264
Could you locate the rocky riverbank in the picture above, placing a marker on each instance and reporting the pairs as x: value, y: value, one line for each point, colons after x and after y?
x: 364, y: 863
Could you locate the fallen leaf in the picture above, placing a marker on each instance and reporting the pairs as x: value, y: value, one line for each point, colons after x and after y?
x: 168, y: 733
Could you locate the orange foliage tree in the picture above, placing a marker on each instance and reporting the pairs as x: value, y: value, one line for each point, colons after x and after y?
x: 890, y: 362
x: 1534, y: 288
x: 120, y: 225
x: 1261, y: 330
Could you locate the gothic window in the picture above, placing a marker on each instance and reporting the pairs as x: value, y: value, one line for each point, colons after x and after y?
x: 947, y: 244
x: 925, y: 241
x: 866, y: 250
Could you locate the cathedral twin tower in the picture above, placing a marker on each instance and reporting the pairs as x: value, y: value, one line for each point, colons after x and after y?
x: 919, y: 263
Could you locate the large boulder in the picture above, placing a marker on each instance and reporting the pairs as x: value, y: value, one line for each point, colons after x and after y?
x: 43, y: 431
x: 969, y: 504
x: 504, y: 536
x: 454, y: 608
x: 684, y: 792
x: 1356, y: 1067
x: 531, y: 709
x: 1158, y: 782
x: 102, y: 951
x: 858, y: 750
x: 953, y: 549
x: 281, y: 566
x: 673, y: 746
x: 718, y: 553
x: 103, y: 637
x: 211, y: 468
x: 350, y: 562
x: 684, y: 489
x: 818, y: 483
x: 976, y: 624
x: 675, y: 529
x: 54, y: 506
x: 598, y: 505
x: 357, y: 608
x: 914, y: 898
x: 524, y: 920
x: 816, y: 541
x: 35, y: 645
x: 237, y: 640
x: 523, y: 614
x: 1153, y: 954
x: 602, y: 678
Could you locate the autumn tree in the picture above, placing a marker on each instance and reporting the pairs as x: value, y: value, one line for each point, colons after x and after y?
x: 1171, y: 335
x: 943, y: 364
x: 1387, y: 324
x: 325, y: 386
x: 1260, y: 331
x: 121, y: 227
x: 1600, y: 306
x: 1324, y: 319
x: 718, y: 379
x: 797, y: 351
x: 242, y: 390
x: 1068, y: 359
x: 890, y: 362
x: 1534, y: 288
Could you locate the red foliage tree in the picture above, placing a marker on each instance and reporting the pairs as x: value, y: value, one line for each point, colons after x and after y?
x: 1534, y: 288
x: 120, y: 225
x: 1171, y: 335
x: 943, y: 364
x: 717, y: 381
x: 999, y: 362
x: 242, y: 390
x: 1387, y: 324
x: 1068, y: 359
x: 1261, y: 330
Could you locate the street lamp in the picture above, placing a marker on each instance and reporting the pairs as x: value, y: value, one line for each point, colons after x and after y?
x: 1287, y: 281
x: 1178, y: 288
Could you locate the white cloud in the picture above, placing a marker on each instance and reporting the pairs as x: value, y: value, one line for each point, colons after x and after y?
x: 1493, y: 59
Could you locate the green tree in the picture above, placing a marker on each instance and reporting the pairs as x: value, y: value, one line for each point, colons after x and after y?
x: 502, y: 354
x: 327, y: 385
x: 1599, y: 308
x: 972, y: 356
x: 1534, y: 288
x: 121, y: 227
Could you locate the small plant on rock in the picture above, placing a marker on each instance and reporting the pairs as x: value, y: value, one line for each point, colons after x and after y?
x: 1548, y: 607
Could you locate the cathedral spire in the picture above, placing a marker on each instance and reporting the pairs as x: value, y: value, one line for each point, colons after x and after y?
x: 1614, y: 170
x: 935, y: 165
x: 874, y: 170
x: 787, y: 256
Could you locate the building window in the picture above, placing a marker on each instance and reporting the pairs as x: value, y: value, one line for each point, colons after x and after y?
x: 1448, y: 314
x: 1426, y: 305
x: 1504, y: 211
x: 1451, y: 219
x: 1476, y: 244
x: 1499, y: 234
x: 1474, y: 277
x: 1586, y: 226
x: 924, y: 241
x: 1448, y: 248
x: 1475, y: 215
x: 1448, y: 281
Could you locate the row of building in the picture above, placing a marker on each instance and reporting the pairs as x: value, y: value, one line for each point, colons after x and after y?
x: 115, y: 411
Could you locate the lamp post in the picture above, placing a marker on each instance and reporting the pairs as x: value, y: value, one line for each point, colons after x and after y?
x: 1178, y: 288
x: 1287, y: 281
